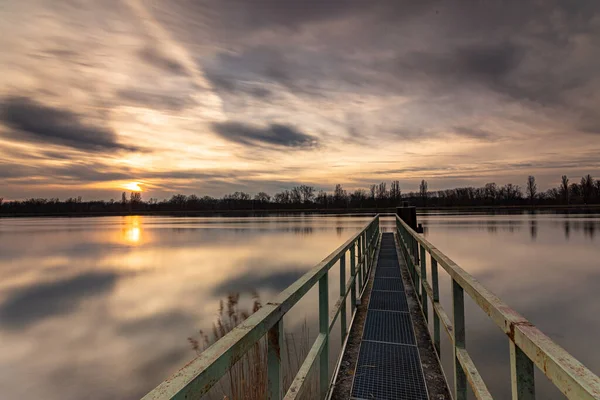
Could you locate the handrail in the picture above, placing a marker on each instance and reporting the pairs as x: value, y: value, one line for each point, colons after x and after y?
x: 528, y: 345
x: 197, y: 377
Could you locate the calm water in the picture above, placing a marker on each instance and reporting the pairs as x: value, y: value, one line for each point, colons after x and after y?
x: 545, y: 266
x: 101, y: 308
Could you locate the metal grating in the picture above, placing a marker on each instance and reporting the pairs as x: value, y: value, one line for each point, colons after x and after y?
x: 387, y: 326
x: 389, y: 284
x: 389, y: 371
x: 393, y: 272
x: 388, y: 301
x: 387, y: 263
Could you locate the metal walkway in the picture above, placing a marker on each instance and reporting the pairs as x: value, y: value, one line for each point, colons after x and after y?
x: 388, y: 366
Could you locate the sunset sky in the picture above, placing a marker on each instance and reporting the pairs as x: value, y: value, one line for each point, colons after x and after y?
x: 211, y: 97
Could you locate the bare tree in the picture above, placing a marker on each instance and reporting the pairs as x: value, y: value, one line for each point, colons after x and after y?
x: 382, y: 192
x: 308, y: 193
x: 564, y: 188
x: 395, y: 193
x: 135, y: 197
x: 262, y: 197
x: 339, y: 195
x: 296, y: 195
x: 531, y: 189
x: 373, y: 191
x: 423, y: 192
x: 587, y: 188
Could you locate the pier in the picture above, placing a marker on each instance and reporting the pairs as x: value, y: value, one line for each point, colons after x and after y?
x: 388, y: 272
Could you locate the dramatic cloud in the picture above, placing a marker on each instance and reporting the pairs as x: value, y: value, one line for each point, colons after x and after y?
x: 159, y: 60
x: 456, y: 93
x: 42, y: 124
x: 273, y: 134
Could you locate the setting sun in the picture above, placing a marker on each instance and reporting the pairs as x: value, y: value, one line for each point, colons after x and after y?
x: 133, y: 186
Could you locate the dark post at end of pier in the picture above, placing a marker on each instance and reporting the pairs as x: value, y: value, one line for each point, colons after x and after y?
x: 408, y: 214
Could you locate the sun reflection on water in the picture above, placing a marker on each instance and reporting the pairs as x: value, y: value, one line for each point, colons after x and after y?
x: 132, y: 232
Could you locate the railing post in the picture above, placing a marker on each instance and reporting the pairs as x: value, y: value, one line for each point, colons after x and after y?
x: 423, y: 280
x: 436, y: 299
x: 342, y: 293
x: 365, y: 257
x: 353, y: 273
x: 458, y: 303
x: 360, y: 263
x: 324, y: 330
x: 275, y: 340
x: 521, y: 374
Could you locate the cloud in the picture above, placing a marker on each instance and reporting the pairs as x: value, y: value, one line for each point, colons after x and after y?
x: 474, y: 133
x: 154, y: 100
x: 157, y: 59
x: 274, y: 134
x: 37, y: 123
x: 50, y: 299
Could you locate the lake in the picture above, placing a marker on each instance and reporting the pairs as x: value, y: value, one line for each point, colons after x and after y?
x: 103, y: 307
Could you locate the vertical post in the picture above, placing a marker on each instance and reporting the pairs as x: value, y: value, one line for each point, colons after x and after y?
x: 521, y: 374
x: 342, y: 294
x: 423, y: 280
x: 353, y: 273
x: 458, y: 303
x: 360, y: 262
x: 275, y: 340
x: 365, y: 257
x: 324, y: 330
x: 436, y: 299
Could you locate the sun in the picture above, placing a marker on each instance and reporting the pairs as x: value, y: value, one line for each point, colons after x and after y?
x: 133, y: 186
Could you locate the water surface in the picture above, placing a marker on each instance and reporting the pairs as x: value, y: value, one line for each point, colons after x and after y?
x: 102, y: 308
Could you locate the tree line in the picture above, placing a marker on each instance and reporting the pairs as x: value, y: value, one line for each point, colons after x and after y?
x: 586, y: 191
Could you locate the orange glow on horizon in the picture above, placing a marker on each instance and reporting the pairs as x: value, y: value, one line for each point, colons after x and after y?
x: 133, y: 186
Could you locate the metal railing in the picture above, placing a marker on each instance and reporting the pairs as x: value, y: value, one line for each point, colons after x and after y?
x: 196, y: 378
x: 528, y: 345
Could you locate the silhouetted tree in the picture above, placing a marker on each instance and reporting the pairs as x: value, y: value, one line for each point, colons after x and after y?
x: 587, y: 188
x: 564, y: 188
x: 423, y: 192
x: 308, y: 193
x: 339, y: 195
x: 262, y: 197
x: 395, y: 192
x: 531, y: 189
x: 373, y: 192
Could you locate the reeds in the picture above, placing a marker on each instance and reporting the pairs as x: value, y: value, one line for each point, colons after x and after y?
x: 247, y: 379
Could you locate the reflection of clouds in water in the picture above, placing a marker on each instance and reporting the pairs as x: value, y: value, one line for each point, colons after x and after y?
x: 552, y: 281
x: 118, y: 338
x: 45, y: 300
x: 255, y: 280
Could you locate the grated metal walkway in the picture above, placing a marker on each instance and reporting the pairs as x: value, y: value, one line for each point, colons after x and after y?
x: 389, y: 366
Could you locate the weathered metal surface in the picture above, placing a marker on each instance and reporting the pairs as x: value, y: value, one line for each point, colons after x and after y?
x: 297, y: 387
x: 435, y: 299
x: 475, y: 380
x: 353, y: 274
x: 521, y: 374
x: 458, y: 312
x: 561, y: 368
x: 343, y: 292
x: 324, y: 330
x: 571, y: 377
x: 423, y: 277
x: 197, y: 377
x: 274, y: 373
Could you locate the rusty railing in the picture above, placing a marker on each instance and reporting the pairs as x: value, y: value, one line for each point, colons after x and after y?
x: 528, y: 346
x: 196, y: 378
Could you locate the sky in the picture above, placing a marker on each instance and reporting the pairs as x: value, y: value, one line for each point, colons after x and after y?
x: 215, y: 96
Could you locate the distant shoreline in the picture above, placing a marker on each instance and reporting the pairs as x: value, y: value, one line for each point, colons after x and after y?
x: 577, y: 208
